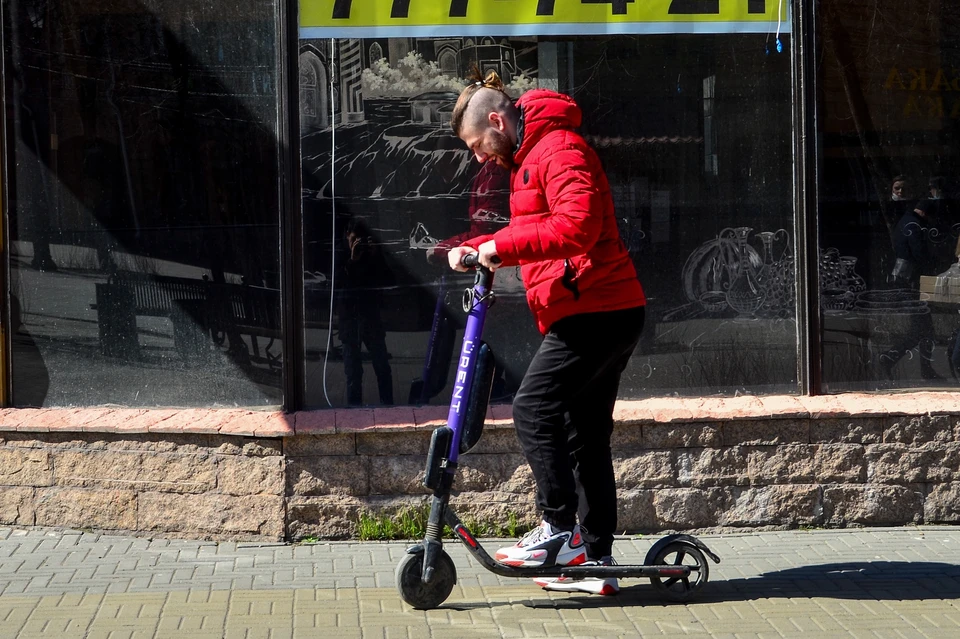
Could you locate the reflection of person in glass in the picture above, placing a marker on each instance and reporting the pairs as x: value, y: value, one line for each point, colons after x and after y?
x: 915, y: 256
x: 583, y: 290
x: 489, y: 209
x: 899, y: 189
x: 936, y: 185
x: 912, y: 247
x: 364, y: 274
x: 942, y: 208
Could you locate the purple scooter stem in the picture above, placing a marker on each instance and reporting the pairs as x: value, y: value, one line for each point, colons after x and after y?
x: 476, y: 301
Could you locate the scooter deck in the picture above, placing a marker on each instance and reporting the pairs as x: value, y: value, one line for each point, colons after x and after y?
x: 573, y: 572
x: 580, y: 572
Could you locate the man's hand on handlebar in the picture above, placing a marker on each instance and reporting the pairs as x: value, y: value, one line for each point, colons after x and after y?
x: 488, y: 255
x: 456, y: 255
x: 464, y: 258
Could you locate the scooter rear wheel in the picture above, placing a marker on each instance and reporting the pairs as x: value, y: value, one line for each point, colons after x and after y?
x: 681, y: 589
x: 424, y: 596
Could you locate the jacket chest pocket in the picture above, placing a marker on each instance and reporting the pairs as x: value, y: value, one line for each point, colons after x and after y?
x: 527, y: 197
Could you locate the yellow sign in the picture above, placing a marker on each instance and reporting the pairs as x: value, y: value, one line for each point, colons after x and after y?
x: 438, y: 18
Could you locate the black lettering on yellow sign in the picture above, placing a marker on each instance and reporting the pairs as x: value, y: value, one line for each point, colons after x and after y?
x: 400, y: 9
x: 706, y: 7
x: 702, y: 7
x: 458, y: 8
x: 545, y: 7
x: 618, y: 7
x: 341, y: 9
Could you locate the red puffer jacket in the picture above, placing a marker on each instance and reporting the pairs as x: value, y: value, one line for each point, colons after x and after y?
x: 563, y: 231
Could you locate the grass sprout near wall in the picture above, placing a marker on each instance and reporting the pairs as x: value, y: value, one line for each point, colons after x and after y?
x: 411, y: 523
x: 407, y: 523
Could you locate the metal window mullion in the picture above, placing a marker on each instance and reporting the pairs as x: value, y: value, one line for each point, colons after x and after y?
x: 806, y: 199
x: 291, y: 218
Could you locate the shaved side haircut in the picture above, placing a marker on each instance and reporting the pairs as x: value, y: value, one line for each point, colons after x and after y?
x: 478, y: 100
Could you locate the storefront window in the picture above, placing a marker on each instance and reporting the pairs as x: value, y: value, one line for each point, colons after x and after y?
x: 143, y: 202
x: 889, y: 214
x: 694, y: 131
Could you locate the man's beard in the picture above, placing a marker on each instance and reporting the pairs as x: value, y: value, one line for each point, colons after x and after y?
x: 502, y: 147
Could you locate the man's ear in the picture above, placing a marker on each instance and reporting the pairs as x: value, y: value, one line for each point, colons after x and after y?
x: 497, y: 121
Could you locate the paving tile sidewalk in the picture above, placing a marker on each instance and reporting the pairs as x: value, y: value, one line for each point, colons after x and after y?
x: 880, y: 583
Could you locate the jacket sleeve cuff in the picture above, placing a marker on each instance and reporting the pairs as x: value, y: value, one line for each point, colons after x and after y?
x: 474, y: 242
x: 506, y: 246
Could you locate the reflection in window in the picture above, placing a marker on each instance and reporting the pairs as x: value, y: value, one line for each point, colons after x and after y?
x: 709, y: 133
x: 448, y: 63
x: 889, y: 219
x: 314, y: 93
x: 143, y: 204
x: 308, y: 89
x: 720, y: 318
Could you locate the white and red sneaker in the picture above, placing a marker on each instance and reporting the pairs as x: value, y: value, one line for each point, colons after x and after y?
x: 592, y: 585
x: 545, y: 546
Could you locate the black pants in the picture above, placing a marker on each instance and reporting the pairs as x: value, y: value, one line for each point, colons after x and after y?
x: 563, y: 413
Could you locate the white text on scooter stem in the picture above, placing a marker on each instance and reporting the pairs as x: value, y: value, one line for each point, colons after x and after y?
x: 462, y: 375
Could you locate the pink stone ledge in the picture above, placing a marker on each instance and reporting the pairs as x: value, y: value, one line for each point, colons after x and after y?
x: 275, y: 424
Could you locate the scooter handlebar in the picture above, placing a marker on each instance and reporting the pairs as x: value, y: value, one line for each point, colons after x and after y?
x: 470, y: 260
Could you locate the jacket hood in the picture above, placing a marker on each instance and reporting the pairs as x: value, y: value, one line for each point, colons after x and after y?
x: 543, y: 111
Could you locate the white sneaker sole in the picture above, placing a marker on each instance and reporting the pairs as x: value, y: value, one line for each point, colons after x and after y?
x: 593, y: 586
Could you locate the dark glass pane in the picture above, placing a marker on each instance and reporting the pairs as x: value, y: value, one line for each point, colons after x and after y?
x: 697, y: 146
x: 142, y: 177
x: 695, y: 134
x: 889, y: 215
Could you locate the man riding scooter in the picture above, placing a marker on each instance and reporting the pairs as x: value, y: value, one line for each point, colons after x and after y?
x: 587, y: 302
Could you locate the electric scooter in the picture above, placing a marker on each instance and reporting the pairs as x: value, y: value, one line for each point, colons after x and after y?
x: 676, y: 565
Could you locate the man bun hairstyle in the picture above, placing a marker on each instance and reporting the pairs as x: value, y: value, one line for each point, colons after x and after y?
x: 478, y: 82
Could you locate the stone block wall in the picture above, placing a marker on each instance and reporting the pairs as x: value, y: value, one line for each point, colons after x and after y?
x: 332, y: 479
x: 193, y: 485
x: 680, y: 464
x: 761, y: 472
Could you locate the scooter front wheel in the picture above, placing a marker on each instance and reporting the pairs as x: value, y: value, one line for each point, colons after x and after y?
x: 680, y: 553
x: 424, y: 596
